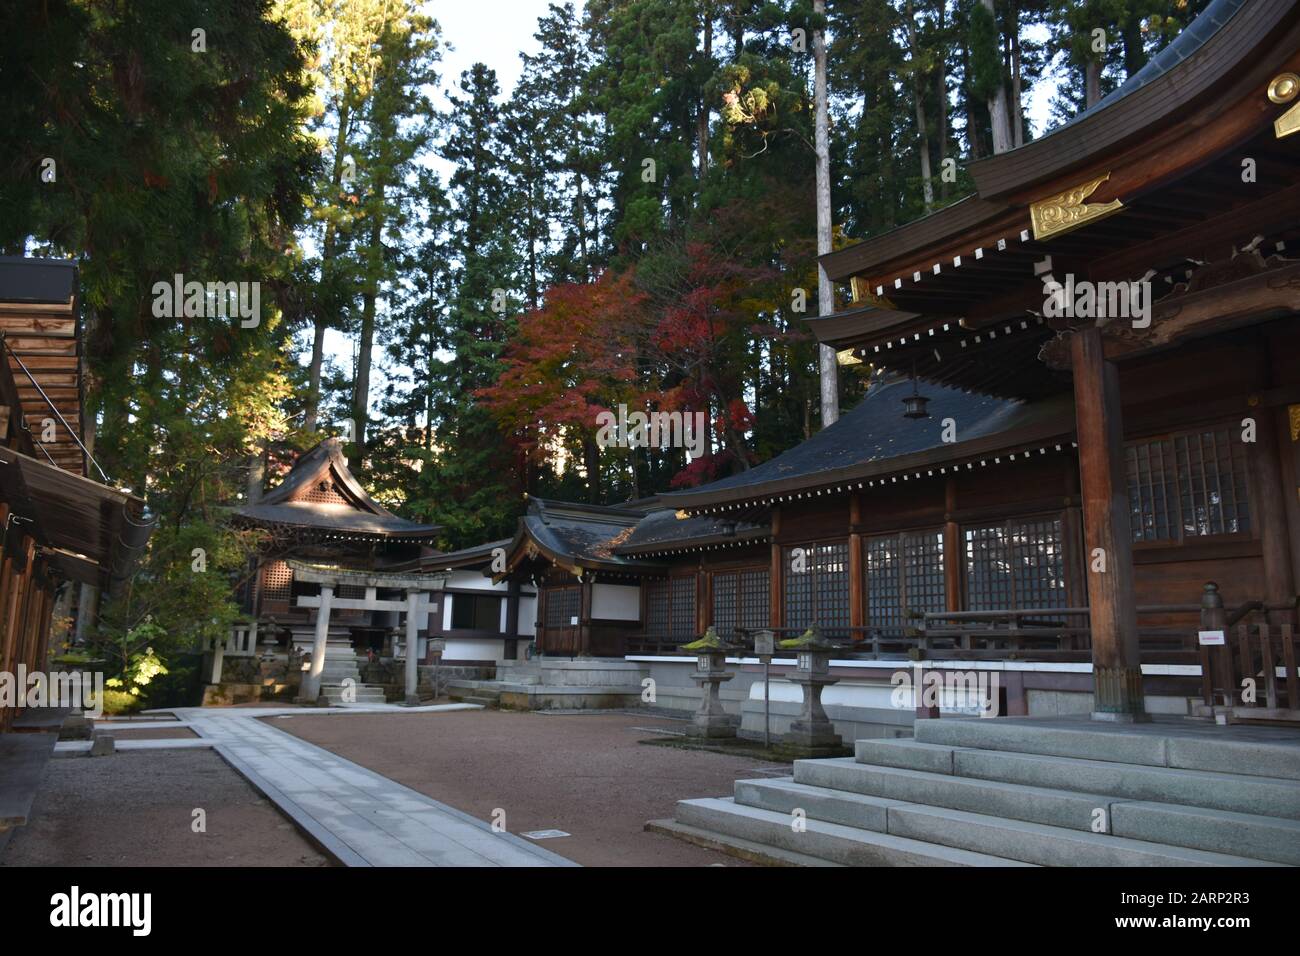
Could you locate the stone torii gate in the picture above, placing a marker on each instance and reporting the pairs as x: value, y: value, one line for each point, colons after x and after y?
x: 417, y: 606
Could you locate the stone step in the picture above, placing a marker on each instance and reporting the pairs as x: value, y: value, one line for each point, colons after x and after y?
x: 1194, y: 788
x: 733, y: 846
x: 481, y: 701
x: 1044, y: 845
x: 364, y: 693
x: 1267, y: 796
x: 783, y: 795
x: 1158, y: 744
x: 1216, y: 831
x: 1219, y: 831
x: 834, y: 842
x: 1047, y: 805
x: 904, y: 753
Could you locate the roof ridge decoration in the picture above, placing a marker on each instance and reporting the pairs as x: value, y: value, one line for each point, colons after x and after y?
x: 1066, y: 211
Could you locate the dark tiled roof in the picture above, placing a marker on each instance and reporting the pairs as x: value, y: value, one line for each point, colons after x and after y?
x: 587, y: 534
x: 465, y: 557
x: 666, y: 529
x: 874, y: 437
x: 333, y: 517
x: 25, y: 279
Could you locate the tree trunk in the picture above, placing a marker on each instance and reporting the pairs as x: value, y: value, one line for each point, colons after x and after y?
x: 998, y: 115
x: 702, y: 120
x: 918, y: 87
x: 313, y: 374
x: 366, y: 339
x: 830, y: 398
x: 1092, y: 83
x: 941, y: 94
x: 591, y: 461
x: 1017, y: 80
x: 974, y: 141
x: 256, y: 472
x: 321, y: 322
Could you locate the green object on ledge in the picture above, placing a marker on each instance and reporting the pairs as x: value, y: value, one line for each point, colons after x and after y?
x: 809, y: 640
x: 709, y: 642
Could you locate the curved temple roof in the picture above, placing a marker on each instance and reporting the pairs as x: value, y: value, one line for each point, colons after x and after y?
x: 358, y: 514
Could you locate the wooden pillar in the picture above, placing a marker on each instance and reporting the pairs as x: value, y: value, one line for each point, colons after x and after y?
x: 584, y: 617
x: 1076, y: 587
x: 776, y: 575
x: 510, y: 648
x: 857, y: 577
x: 1269, y: 515
x: 18, y: 590
x: 1107, y: 534
x: 951, y: 548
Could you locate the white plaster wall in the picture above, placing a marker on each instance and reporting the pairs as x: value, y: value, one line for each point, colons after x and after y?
x: 474, y: 649
x: 473, y: 580
x: 527, y: 615
x: 615, y: 602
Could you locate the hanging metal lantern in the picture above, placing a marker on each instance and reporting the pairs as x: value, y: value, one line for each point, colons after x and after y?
x: 914, y: 404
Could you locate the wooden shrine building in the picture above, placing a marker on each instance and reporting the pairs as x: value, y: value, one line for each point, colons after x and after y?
x: 61, y: 526
x: 321, y: 516
x: 1119, y: 302
x: 1081, y: 444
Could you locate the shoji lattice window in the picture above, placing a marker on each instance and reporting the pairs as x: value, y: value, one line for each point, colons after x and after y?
x: 1191, y: 484
x: 681, y: 609
x: 1018, y: 564
x: 656, y: 607
x: 904, y: 572
x: 817, y: 587
x: 755, y: 598
x: 562, y: 606
x: 740, y: 599
x: 725, y: 588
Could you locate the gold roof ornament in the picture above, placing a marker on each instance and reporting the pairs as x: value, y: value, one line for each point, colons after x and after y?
x: 1284, y: 88
x: 1066, y: 211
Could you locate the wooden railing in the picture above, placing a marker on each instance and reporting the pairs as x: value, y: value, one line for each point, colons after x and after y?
x: 240, y: 641
x: 1239, y: 677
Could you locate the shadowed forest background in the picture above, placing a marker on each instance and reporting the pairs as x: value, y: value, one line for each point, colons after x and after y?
x: 634, y: 223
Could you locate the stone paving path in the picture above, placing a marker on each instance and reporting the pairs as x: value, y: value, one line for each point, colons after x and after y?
x: 359, y: 816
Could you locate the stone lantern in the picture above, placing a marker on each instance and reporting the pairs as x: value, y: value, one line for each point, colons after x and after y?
x: 812, y: 734
x: 710, y: 720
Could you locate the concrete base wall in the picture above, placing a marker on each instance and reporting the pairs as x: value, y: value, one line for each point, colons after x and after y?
x: 861, y: 708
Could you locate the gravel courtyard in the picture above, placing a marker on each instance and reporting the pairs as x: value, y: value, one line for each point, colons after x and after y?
x: 585, y: 774
x: 135, y: 808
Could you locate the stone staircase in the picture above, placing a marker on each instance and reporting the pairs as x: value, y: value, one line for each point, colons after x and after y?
x: 549, y: 684
x: 1019, y: 791
x: 364, y: 694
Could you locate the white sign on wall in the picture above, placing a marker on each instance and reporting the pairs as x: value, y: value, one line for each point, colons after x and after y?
x: 1210, y: 637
